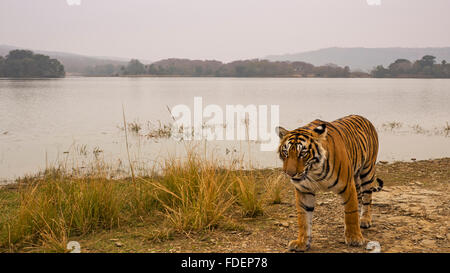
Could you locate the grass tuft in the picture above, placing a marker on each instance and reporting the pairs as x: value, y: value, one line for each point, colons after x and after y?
x: 43, y: 212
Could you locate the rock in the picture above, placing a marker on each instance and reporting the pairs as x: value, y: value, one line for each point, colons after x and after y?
x: 282, y: 223
x: 118, y: 244
x: 428, y: 243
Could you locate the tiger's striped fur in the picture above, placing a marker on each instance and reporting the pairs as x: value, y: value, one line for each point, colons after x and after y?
x: 336, y: 156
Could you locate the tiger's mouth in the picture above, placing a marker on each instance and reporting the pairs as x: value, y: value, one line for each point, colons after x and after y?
x: 299, y: 177
x: 302, y: 176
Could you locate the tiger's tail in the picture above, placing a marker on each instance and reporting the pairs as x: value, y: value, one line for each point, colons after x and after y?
x: 378, y: 187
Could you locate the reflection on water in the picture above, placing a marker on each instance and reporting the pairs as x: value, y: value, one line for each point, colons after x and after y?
x: 40, y: 120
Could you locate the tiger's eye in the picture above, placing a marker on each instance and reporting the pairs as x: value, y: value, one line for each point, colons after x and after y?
x: 284, y: 150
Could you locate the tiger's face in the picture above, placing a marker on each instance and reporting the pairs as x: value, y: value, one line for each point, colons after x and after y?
x: 302, y: 151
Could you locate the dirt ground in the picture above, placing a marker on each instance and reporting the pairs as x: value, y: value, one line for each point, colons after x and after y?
x: 411, y: 214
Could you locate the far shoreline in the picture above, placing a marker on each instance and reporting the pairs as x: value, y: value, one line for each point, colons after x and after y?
x: 216, y: 77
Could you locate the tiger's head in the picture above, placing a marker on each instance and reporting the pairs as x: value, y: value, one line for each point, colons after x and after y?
x: 302, y: 150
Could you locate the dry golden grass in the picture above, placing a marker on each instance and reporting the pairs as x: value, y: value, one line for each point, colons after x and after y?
x: 188, y: 195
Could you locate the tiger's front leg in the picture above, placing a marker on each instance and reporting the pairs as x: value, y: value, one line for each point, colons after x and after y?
x: 305, y: 207
x: 353, y: 234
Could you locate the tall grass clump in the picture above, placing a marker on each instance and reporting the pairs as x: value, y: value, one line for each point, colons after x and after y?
x: 188, y: 194
x: 447, y: 129
x: 52, y: 209
x: 194, y: 194
x: 273, y: 187
x: 245, y: 188
x: 392, y: 125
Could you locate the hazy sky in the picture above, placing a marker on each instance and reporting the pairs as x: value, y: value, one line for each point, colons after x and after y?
x: 220, y: 29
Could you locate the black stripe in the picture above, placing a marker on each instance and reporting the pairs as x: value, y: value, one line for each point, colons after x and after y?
x: 343, y: 190
x: 367, y: 182
x: 315, y: 150
x: 310, y: 193
x: 346, y: 201
x: 337, y: 178
x: 323, y: 174
x: 366, y: 204
x: 363, y: 175
x: 348, y: 212
x: 309, y: 209
x: 306, y: 188
x: 367, y: 192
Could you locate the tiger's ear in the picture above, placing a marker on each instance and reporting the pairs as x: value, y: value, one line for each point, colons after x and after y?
x: 281, y: 131
x: 321, y: 130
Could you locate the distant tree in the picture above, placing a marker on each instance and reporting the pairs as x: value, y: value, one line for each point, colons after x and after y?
x: 428, y: 60
x: 380, y: 72
x: 425, y: 67
x: 24, y: 63
x: 400, y: 67
x: 135, y: 67
x: 240, y: 68
x: 2, y: 64
x: 102, y: 70
x: 19, y: 54
x: 302, y: 68
x: 422, y: 64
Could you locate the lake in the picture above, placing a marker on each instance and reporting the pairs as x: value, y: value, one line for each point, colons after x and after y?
x: 44, y: 122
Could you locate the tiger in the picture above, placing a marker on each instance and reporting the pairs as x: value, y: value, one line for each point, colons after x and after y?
x: 336, y: 156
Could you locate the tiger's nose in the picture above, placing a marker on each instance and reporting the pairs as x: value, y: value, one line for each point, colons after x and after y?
x: 291, y: 173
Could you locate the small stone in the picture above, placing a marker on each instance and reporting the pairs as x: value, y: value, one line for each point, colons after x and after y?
x: 428, y: 243
x: 118, y: 244
x: 282, y: 223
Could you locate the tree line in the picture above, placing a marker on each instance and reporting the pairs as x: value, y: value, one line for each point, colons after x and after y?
x: 24, y: 63
x: 423, y: 68
x: 401, y: 68
x: 212, y: 68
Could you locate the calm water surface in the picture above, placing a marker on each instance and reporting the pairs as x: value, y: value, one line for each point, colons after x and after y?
x: 43, y: 122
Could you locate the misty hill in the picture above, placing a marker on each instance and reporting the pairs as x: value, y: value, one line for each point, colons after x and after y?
x: 360, y: 58
x: 73, y: 63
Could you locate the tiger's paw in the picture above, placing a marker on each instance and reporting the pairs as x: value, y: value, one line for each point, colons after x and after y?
x: 298, y: 246
x: 354, y: 240
x: 366, y: 223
